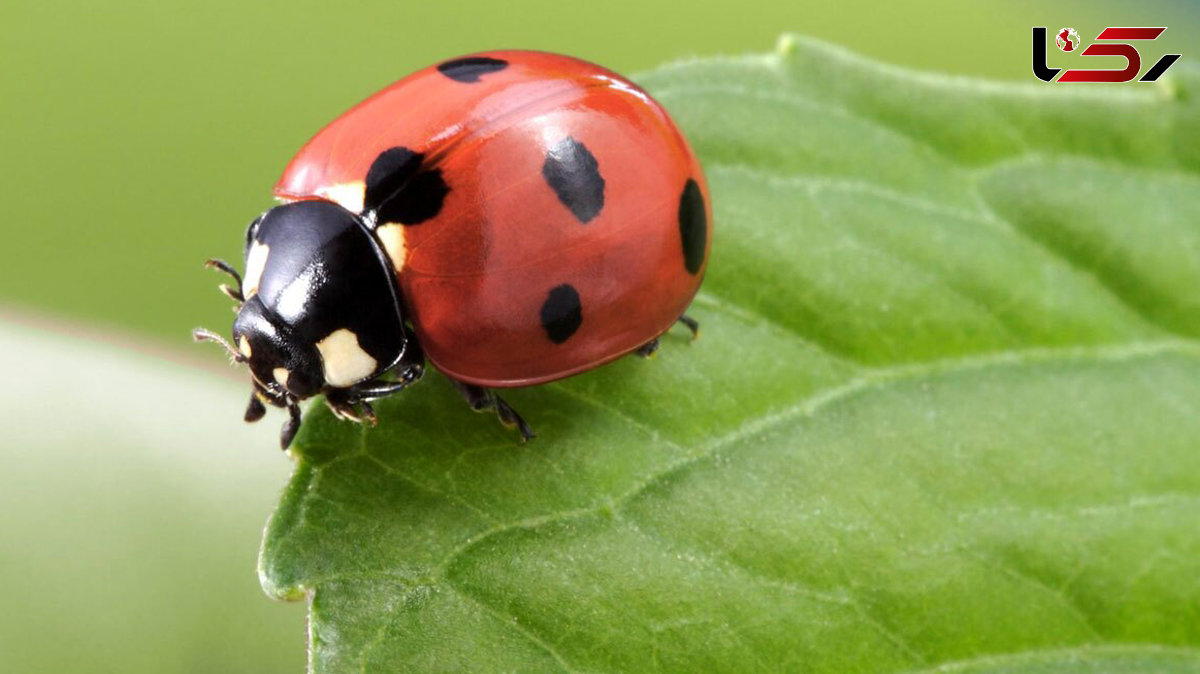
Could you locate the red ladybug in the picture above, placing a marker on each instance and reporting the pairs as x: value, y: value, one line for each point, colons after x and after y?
x: 516, y: 217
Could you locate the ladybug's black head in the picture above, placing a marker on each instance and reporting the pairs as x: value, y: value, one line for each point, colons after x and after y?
x: 281, y: 365
x: 319, y: 307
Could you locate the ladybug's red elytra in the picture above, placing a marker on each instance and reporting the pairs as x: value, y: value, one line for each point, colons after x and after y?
x: 515, y: 217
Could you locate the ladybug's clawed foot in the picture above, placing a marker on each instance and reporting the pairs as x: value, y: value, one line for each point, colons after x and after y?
x: 510, y: 419
x: 234, y: 293
x: 482, y: 400
x: 367, y: 413
x: 348, y: 406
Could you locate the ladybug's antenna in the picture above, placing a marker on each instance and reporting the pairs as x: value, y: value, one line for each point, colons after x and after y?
x: 202, y: 335
x: 234, y: 293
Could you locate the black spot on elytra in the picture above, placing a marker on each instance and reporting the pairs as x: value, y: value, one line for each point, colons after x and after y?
x: 468, y: 70
x: 693, y: 226
x: 400, y: 189
x: 574, y: 175
x: 561, y: 313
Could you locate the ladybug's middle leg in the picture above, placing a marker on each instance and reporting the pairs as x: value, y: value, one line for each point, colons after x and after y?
x: 481, y: 399
x: 648, y: 349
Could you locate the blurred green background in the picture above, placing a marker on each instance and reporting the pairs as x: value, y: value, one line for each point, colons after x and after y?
x: 138, y: 139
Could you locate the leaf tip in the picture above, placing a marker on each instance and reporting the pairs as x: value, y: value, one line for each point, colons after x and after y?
x: 1179, y: 83
x: 280, y: 591
x: 1169, y: 88
x: 278, y: 581
x: 786, y: 46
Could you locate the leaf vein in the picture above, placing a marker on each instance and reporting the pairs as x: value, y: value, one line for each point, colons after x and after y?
x: 1082, y: 651
x: 512, y: 620
x: 1075, y: 263
x: 1056, y: 593
x: 810, y: 405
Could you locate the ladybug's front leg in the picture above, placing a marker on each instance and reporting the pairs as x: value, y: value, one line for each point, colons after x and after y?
x: 353, y: 403
x: 346, y: 405
x: 288, y: 432
x: 408, y: 371
x: 481, y: 400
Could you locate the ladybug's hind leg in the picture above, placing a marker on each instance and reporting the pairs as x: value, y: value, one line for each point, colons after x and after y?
x: 481, y: 399
x: 691, y: 323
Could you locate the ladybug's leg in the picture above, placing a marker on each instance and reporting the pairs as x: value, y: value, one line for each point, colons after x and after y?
x: 234, y: 293
x: 481, y: 400
x: 412, y: 364
x: 382, y: 389
x: 352, y: 403
x: 651, y: 347
x: 408, y: 371
x: 648, y: 349
x: 691, y: 323
x: 255, y: 410
x: 510, y: 418
x: 346, y: 405
x: 290, y: 426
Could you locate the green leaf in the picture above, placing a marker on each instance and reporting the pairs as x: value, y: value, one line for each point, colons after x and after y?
x: 943, y: 414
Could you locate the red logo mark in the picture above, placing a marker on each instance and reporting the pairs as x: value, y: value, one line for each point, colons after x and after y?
x: 1115, y: 45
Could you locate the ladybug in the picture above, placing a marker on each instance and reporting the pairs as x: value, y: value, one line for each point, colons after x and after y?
x: 514, y: 217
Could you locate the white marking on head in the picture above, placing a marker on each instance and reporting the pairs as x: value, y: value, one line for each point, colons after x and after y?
x: 349, y: 196
x: 244, y: 346
x: 391, y: 235
x: 281, y: 375
x: 344, y: 360
x: 256, y: 261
